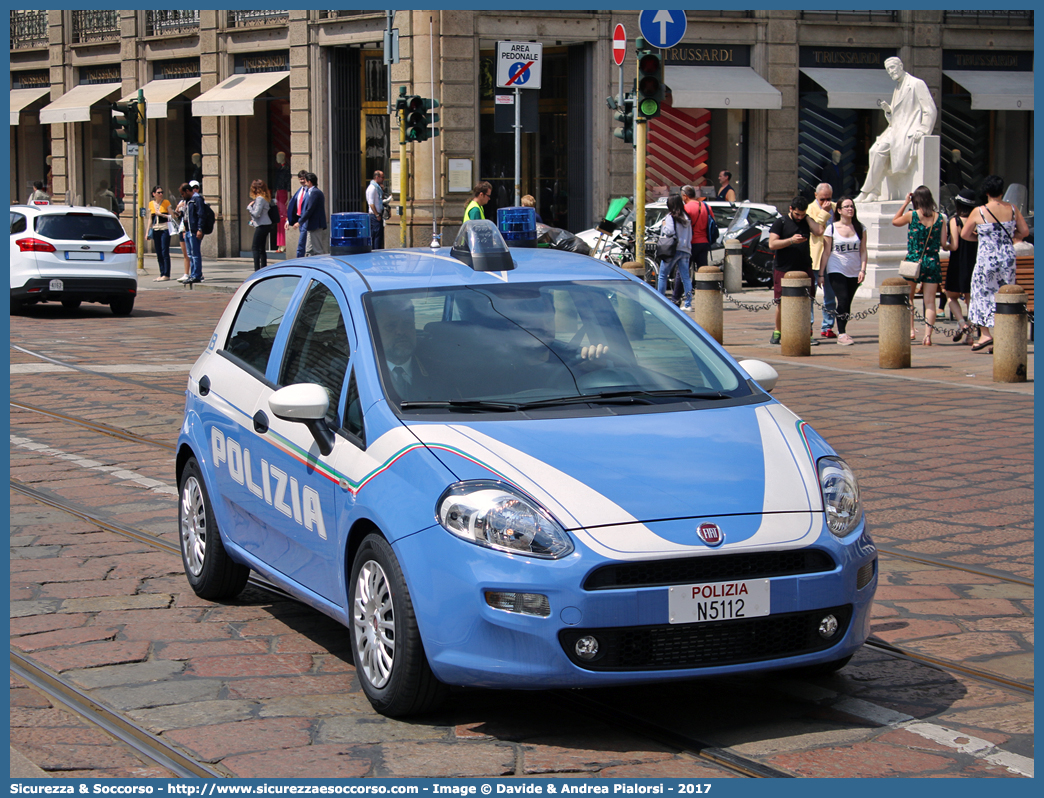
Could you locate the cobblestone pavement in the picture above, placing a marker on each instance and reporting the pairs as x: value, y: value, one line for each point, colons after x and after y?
x: 265, y: 687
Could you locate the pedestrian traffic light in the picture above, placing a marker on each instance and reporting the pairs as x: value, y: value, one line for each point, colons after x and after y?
x: 625, y: 114
x: 650, y: 80
x: 125, y: 117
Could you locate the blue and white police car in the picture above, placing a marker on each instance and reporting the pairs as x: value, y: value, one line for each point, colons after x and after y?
x: 514, y: 468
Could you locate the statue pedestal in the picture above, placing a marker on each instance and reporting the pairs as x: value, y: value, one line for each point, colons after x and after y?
x: 886, y: 244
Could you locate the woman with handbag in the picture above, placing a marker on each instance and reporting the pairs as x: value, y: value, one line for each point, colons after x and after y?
x: 995, y: 226
x: 258, y: 207
x: 674, y: 247
x: 924, y: 239
x: 159, y: 232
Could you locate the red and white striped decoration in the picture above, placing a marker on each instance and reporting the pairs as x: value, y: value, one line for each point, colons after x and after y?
x: 676, y: 149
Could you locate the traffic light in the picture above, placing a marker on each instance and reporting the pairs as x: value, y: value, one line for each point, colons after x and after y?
x: 650, y: 80
x: 625, y: 113
x: 126, y: 120
x: 419, y: 117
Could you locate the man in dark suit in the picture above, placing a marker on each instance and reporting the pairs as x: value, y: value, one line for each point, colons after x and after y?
x: 311, y: 220
x: 293, y: 209
x: 405, y: 376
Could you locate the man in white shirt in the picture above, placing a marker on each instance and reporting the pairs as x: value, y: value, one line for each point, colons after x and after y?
x: 375, y: 202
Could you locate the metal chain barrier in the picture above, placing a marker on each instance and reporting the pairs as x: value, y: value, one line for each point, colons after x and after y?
x: 748, y: 306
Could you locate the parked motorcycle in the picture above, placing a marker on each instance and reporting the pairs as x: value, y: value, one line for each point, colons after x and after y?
x: 750, y: 226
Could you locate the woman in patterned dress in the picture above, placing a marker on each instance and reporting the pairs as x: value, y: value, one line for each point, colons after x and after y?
x: 997, y: 225
x: 926, y: 224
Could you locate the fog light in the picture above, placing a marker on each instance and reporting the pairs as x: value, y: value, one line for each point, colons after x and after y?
x: 587, y: 647
x: 522, y: 603
x: 828, y: 627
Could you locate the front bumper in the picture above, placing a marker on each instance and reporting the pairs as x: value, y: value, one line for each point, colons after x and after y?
x: 85, y: 289
x: 470, y: 643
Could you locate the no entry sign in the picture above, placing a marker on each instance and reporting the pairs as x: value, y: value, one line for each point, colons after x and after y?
x: 619, y: 45
x: 519, y: 64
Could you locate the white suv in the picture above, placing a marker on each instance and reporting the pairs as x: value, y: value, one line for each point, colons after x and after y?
x: 73, y: 255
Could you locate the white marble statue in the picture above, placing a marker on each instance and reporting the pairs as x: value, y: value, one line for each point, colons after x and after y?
x: 911, y: 116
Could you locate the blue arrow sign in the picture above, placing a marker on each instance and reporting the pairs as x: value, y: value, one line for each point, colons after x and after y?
x: 662, y: 28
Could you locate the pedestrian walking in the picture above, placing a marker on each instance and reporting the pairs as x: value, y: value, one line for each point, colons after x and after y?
x: 178, y: 220
x: 193, y: 230
x: 678, y: 226
x: 293, y: 211
x: 961, y: 264
x: 996, y: 226
x: 281, y: 187
x: 258, y: 207
x: 821, y: 209
x: 375, y: 204
x: 924, y: 238
x: 789, y: 239
x: 311, y: 220
x: 480, y: 195
x: 159, y: 232
x: 843, y: 264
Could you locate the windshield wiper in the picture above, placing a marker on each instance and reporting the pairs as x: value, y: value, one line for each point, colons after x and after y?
x: 466, y: 405
x: 630, y: 397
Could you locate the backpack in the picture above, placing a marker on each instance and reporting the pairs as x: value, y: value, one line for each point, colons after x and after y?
x: 712, y: 228
x: 207, y: 223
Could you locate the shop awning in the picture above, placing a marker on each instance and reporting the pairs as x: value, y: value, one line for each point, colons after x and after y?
x: 160, y: 92
x: 720, y: 87
x: 853, y: 88
x: 235, y: 96
x: 996, y: 91
x: 23, y: 98
x: 75, y: 104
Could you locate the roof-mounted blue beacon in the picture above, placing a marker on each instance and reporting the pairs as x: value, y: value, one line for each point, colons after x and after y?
x: 518, y: 226
x: 349, y: 233
x: 480, y: 245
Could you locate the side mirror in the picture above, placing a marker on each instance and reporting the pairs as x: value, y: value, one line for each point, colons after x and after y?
x: 306, y: 403
x: 762, y: 373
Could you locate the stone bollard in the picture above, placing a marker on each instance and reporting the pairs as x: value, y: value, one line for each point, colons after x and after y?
x: 635, y: 268
x: 1009, y: 335
x: 893, y: 324
x: 706, y: 301
x: 733, y: 265
x: 795, y: 329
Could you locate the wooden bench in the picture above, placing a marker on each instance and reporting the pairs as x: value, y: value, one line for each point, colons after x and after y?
x: 1024, y: 278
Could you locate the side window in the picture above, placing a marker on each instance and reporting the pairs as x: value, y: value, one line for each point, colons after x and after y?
x: 17, y: 223
x: 257, y: 322
x: 318, y: 349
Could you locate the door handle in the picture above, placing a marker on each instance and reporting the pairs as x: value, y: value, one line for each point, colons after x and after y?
x: 204, y: 385
x: 260, y: 422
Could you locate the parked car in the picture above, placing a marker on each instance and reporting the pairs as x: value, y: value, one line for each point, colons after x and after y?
x: 71, y: 255
x: 517, y: 469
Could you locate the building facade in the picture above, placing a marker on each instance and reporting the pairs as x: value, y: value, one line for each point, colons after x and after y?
x: 782, y: 99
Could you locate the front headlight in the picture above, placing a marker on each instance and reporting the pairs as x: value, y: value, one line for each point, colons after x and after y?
x: 840, y: 495
x: 498, y: 516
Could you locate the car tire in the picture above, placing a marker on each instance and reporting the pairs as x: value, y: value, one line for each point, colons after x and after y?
x: 389, y: 657
x: 757, y: 277
x: 212, y: 574
x: 122, y: 306
x: 71, y: 304
x: 16, y: 307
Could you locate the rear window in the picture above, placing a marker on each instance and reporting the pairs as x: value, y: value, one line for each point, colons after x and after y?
x: 79, y: 227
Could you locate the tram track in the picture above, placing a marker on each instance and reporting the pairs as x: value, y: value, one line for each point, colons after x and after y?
x: 94, y: 373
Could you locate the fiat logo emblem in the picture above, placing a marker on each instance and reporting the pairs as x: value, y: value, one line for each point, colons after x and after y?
x: 710, y: 534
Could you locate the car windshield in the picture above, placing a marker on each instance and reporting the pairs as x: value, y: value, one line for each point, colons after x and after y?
x: 512, y: 347
x: 78, y: 227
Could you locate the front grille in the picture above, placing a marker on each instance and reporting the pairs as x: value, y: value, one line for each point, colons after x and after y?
x: 710, y: 568
x: 703, y: 645
x: 865, y: 574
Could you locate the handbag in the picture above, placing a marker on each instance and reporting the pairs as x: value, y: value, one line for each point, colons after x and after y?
x: 911, y: 269
x: 667, y: 246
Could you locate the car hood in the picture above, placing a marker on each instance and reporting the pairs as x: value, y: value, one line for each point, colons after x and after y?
x: 617, y: 479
